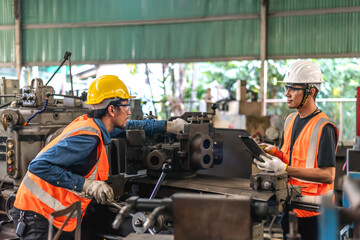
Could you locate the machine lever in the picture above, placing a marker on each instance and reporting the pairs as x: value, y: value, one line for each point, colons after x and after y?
x: 165, y: 169
x: 66, y: 56
x: 120, y: 216
x: 150, y: 221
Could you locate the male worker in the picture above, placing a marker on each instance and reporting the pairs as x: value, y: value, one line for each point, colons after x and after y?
x: 307, y: 151
x: 74, y: 166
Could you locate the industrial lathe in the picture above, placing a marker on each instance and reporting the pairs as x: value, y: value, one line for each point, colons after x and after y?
x: 197, y: 184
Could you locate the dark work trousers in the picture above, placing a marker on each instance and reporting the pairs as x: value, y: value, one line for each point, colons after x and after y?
x: 307, y: 226
x: 37, y: 226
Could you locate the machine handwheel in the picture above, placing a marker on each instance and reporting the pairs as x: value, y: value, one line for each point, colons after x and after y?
x: 9, y: 206
x: 4, y: 121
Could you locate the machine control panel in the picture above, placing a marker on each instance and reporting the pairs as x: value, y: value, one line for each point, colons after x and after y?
x: 28, y: 96
x: 10, y: 157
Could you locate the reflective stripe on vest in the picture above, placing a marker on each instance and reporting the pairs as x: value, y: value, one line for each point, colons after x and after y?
x: 35, y: 194
x: 41, y: 194
x: 311, y: 155
x: 315, y: 199
x: 85, y: 128
x: 92, y: 176
x: 288, y: 119
x: 304, y: 155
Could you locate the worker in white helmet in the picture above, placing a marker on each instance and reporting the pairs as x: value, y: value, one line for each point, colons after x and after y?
x: 308, y: 147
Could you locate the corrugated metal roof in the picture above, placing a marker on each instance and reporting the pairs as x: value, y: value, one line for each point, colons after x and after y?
x: 178, y: 30
x: 149, y: 42
x: 293, y: 5
x: 6, y: 16
x: 7, y: 46
x: 64, y: 11
x: 314, y: 35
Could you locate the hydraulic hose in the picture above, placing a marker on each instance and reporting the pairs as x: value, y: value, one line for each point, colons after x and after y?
x: 40, y: 111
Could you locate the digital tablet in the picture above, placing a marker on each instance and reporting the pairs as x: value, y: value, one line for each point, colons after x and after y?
x: 252, y: 147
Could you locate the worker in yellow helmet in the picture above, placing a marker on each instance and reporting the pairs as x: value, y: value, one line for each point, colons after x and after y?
x: 74, y: 166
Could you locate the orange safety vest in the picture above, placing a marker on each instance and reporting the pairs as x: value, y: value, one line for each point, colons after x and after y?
x: 304, y: 155
x: 35, y: 194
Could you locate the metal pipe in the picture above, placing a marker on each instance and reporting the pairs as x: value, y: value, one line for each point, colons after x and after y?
x: 69, y: 96
x: 351, y: 188
x: 144, y: 22
x: 7, y: 27
x: 18, y: 41
x: 357, y: 140
x: 309, y: 12
x: 157, y: 186
x: 71, y: 80
x: 263, y: 8
x: 66, y: 56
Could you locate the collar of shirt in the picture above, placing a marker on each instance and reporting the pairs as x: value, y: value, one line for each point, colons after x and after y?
x: 104, y: 131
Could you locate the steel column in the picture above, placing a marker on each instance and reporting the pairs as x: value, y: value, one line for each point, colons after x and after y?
x: 18, y: 42
x: 263, y: 76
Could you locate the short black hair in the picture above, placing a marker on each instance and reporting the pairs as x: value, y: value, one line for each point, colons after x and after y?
x: 316, y: 92
x: 99, y: 113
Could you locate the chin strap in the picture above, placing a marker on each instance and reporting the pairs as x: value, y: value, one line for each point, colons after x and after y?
x: 307, y: 91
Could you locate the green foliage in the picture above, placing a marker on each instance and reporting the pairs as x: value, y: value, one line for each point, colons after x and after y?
x: 227, y: 73
x: 342, y: 77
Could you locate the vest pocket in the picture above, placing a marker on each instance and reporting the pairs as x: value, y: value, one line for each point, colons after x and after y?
x: 310, y: 189
x: 298, y: 158
x: 285, y: 150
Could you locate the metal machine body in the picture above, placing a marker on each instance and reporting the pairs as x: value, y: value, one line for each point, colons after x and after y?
x: 138, y: 165
x: 202, y: 160
x: 20, y: 144
x: 226, y: 208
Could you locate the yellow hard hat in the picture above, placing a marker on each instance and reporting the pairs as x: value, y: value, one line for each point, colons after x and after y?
x: 107, y: 86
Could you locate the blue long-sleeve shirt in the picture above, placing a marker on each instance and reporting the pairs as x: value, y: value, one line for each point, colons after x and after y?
x: 67, y: 162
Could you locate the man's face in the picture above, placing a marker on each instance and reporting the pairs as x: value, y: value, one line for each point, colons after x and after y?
x: 294, y: 94
x: 121, y: 114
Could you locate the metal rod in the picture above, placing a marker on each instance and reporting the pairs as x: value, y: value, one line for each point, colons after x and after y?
x: 144, y: 22
x: 69, y: 96
x: 195, y: 19
x: 5, y: 104
x: 358, y: 112
x: 158, y: 184
x: 18, y: 39
x: 9, y: 95
x: 71, y: 81
x: 263, y: 74
x: 66, y: 56
x: 55, y: 72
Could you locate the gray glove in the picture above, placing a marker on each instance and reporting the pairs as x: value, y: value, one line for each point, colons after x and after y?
x: 99, y: 190
x: 176, y: 125
x: 271, y: 163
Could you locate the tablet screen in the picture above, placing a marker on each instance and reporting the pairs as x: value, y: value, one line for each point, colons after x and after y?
x: 252, y: 146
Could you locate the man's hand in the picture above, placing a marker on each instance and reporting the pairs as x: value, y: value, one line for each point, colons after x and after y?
x: 99, y: 190
x: 176, y: 125
x: 271, y: 149
x: 268, y: 148
x: 270, y: 163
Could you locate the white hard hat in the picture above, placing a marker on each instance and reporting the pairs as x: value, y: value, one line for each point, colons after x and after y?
x: 303, y: 72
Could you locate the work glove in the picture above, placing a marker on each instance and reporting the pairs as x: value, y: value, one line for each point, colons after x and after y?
x: 176, y: 125
x: 99, y: 190
x: 271, y: 163
x: 271, y: 149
